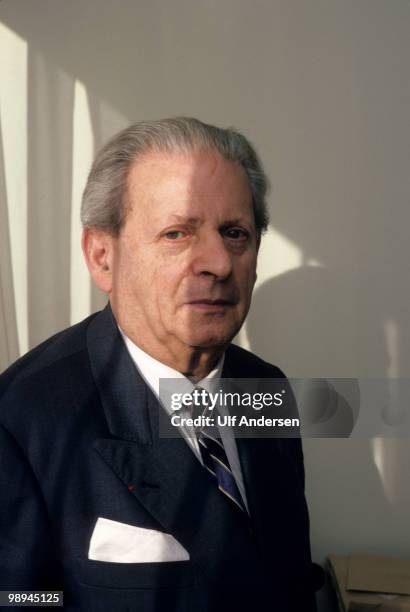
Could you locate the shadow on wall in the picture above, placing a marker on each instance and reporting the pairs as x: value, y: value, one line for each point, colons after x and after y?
x: 314, y: 326
x: 332, y: 320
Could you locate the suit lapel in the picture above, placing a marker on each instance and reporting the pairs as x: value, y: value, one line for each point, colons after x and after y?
x: 162, y: 473
x: 120, y: 387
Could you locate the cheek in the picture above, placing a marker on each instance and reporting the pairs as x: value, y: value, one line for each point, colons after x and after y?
x: 172, y: 276
x: 247, y: 291
x: 128, y: 276
x: 168, y: 285
x: 248, y: 277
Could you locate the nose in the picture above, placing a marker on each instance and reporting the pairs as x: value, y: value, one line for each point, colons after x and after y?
x: 211, y: 256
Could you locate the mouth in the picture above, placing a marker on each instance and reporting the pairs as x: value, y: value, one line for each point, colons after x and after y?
x: 210, y: 305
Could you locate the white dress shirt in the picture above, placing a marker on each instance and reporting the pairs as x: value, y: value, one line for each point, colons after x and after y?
x: 153, y: 370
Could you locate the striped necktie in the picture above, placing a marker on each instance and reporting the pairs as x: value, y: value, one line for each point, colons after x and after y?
x: 216, y: 462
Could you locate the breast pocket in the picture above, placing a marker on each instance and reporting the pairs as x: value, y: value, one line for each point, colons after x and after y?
x: 175, y: 574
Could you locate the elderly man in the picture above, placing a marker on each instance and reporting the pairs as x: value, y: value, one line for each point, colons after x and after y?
x: 94, y: 500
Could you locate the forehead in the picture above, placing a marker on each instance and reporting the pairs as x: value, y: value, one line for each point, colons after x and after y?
x: 187, y: 181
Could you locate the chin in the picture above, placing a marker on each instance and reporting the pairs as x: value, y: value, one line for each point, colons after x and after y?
x: 209, y: 338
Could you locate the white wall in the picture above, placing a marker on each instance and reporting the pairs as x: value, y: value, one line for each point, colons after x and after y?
x: 322, y: 89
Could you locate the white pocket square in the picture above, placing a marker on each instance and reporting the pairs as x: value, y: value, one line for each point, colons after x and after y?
x: 122, y: 543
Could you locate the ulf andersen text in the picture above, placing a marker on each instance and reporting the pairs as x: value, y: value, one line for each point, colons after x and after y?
x: 231, y: 421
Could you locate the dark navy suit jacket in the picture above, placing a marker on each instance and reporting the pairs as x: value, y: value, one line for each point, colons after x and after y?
x: 79, y: 440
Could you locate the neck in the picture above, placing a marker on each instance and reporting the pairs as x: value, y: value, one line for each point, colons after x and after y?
x: 194, y: 363
x: 200, y: 364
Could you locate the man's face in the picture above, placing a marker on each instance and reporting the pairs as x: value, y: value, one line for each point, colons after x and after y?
x: 184, y: 264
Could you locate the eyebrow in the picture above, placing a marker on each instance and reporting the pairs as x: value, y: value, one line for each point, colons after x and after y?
x: 183, y: 219
x: 197, y: 221
x: 235, y: 221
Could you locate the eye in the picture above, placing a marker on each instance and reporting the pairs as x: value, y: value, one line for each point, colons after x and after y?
x: 174, y: 234
x: 236, y: 233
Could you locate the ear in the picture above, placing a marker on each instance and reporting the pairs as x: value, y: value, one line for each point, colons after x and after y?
x: 98, y: 249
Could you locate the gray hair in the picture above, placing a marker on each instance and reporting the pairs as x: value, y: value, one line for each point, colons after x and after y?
x: 103, y: 203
